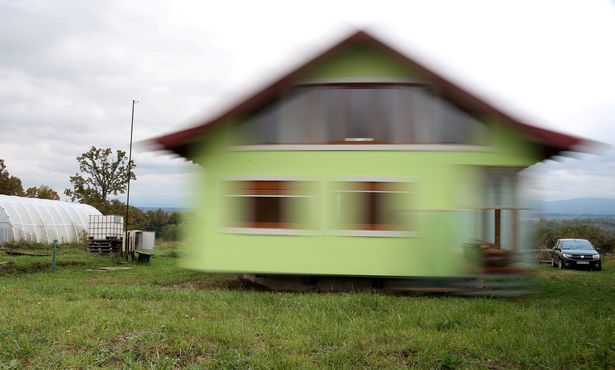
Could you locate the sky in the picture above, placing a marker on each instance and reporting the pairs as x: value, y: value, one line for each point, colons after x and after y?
x: 69, y: 70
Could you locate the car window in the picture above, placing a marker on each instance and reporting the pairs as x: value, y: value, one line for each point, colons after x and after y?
x: 577, y: 244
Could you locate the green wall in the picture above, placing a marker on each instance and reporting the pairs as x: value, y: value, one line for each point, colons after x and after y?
x: 441, y: 180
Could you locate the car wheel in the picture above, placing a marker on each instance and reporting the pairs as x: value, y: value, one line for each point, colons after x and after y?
x: 560, y: 265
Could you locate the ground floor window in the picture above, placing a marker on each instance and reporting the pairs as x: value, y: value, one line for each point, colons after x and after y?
x: 267, y: 204
x: 371, y: 205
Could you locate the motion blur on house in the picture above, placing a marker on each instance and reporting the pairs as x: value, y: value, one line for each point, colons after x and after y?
x: 360, y: 163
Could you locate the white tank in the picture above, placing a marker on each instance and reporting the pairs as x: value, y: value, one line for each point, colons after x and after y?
x: 42, y: 220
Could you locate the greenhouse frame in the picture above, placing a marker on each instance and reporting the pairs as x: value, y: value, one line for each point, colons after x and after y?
x: 42, y: 220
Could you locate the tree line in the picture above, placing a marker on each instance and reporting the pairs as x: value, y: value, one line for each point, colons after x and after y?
x: 599, y: 231
x: 102, y: 174
x: 11, y: 185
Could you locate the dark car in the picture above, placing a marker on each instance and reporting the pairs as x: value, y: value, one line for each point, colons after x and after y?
x: 575, y: 253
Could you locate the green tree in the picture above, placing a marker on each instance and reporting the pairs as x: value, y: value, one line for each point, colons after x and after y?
x: 157, y: 219
x: 169, y: 232
x: 9, y: 185
x: 42, y: 192
x: 101, y: 174
x: 137, y: 219
x: 547, y: 233
x: 164, y: 223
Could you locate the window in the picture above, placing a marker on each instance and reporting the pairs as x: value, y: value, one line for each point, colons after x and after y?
x: 371, y: 205
x: 359, y: 116
x: 268, y: 204
x: 582, y: 245
x: 364, y: 114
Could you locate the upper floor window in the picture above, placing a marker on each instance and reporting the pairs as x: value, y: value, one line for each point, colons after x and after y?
x: 386, y: 114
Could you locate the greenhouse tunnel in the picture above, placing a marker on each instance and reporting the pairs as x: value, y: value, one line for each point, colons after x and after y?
x: 42, y: 220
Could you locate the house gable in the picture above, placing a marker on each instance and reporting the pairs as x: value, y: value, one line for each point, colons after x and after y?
x: 358, y: 61
x: 361, y: 55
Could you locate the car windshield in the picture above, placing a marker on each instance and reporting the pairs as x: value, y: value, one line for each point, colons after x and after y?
x: 578, y: 245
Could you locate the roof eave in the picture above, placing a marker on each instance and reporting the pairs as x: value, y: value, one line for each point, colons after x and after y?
x: 552, y: 142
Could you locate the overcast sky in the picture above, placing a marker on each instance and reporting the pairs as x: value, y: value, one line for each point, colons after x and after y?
x: 69, y: 70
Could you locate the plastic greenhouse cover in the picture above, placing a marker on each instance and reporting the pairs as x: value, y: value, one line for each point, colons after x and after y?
x: 42, y: 220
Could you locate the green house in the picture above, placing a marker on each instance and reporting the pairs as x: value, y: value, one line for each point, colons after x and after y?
x: 361, y: 162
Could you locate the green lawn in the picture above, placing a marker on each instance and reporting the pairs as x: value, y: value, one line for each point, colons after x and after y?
x: 161, y: 316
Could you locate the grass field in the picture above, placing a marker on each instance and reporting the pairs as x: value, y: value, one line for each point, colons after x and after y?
x: 161, y: 316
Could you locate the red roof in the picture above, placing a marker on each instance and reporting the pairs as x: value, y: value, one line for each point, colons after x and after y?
x: 552, y: 142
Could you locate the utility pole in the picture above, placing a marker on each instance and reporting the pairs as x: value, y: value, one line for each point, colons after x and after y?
x: 132, y: 120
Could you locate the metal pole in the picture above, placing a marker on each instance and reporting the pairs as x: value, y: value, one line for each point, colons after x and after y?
x: 132, y: 120
x: 54, y: 253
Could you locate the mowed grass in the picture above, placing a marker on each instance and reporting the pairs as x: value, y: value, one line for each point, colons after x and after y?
x: 161, y: 316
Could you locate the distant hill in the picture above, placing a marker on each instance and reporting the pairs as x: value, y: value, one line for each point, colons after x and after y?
x: 580, y: 206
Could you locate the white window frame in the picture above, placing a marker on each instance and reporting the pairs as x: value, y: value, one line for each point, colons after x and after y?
x: 265, y: 230
x: 374, y: 233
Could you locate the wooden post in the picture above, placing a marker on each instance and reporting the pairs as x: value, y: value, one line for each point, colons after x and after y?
x: 497, y: 227
x: 485, y: 224
x: 514, y: 227
x: 54, y: 254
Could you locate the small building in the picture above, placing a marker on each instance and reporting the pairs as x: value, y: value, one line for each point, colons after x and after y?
x: 42, y: 220
x: 361, y: 162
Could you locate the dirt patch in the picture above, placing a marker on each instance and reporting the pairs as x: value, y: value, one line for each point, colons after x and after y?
x: 122, y: 340
x: 401, y: 357
x: 7, y: 266
x: 141, y: 349
x: 179, y: 286
x: 108, y: 269
x: 171, y: 254
x: 239, y: 283
x: 11, y: 267
x: 14, y: 252
x: 211, y: 283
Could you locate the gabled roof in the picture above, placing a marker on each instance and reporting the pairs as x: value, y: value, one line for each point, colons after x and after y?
x: 551, y: 142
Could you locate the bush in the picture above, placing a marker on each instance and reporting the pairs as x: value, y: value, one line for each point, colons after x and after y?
x: 169, y: 232
x: 547, y: 235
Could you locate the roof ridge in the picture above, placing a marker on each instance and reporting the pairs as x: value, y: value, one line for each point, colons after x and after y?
x: 552, y: 142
